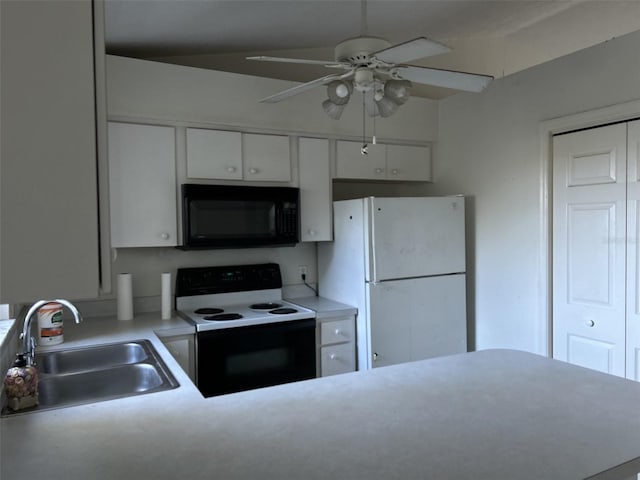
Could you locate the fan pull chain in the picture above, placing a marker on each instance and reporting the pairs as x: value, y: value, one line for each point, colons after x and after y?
x: 364, y: 150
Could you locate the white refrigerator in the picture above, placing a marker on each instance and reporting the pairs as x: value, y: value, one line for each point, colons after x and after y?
x: 401, y: 262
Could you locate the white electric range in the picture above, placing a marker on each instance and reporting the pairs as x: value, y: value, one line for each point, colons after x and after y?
x: 247, y: 336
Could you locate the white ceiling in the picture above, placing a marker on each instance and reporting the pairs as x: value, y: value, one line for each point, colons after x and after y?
x: 492, y: 37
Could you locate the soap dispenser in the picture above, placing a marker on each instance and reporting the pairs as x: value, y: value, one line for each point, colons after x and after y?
x: 21, y: 384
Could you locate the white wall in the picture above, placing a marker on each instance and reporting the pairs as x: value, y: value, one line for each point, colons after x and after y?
x: 139, y: 88
x: 488, y: 149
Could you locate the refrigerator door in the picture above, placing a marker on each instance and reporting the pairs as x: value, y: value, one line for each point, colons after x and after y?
x: 414, y: 237
x: 416, y: 319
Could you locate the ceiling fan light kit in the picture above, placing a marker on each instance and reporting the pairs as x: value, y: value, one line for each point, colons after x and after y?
x: 375, y: 68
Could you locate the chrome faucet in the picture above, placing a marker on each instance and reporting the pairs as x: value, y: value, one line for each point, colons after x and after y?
x: 28, y: 342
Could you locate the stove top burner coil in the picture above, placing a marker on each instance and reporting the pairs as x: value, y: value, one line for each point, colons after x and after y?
x: 265, y: 306
x: 283, y: 311
x: 224, y: 316
x: 208, y: 311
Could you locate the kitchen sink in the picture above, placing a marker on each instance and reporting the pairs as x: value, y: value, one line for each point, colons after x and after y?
x: 92, y: 358
x: 78, y: 376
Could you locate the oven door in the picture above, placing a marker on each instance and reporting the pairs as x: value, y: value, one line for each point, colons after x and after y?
x: 244, y: 358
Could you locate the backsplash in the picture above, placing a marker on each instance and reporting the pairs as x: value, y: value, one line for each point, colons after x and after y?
x: 147, y: 264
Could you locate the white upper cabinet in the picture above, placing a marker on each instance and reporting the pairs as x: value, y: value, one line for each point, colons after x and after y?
x: 214, y: 154
x: 142, y: 185
x: 315, y: 190
x: 49, y: 235
x: 227, y: 155
x: 266, y: 158
x: 408, y: 162
x: 350, y: 163
x: 383, y: 162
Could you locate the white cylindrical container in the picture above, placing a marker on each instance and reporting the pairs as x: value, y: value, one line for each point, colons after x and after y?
x: 124, y: 293
x: 50, y: 325
x: 165, y: 283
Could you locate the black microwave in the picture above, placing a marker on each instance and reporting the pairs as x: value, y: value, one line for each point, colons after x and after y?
x: 232, y: 216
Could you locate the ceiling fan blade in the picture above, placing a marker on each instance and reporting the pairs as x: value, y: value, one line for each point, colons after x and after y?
x: 469, y: 82
x: 412, y: 50
x: 326, y: 63
x: 290, y: 92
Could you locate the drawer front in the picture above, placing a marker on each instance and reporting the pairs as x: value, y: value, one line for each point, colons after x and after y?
x: 337, y: 331
x: 336, y: 359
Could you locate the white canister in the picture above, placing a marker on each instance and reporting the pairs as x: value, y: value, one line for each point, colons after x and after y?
x: 50, y: 330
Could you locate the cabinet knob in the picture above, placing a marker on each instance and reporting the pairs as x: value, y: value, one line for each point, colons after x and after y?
x: 337, y: 331
x: 311, y: 232
x: 231, y: 169
x: 379, y: 170
x: 333, y: 356
x: 590, y: 323
x: 164, y: 236
x: 375, y: 356
x: 395, y: 171
x: 253, y: 171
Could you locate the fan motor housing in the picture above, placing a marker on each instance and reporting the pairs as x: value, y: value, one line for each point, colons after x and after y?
x: 357, y: 50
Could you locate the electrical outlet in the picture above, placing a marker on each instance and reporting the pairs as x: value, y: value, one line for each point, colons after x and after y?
x: 302, y: 270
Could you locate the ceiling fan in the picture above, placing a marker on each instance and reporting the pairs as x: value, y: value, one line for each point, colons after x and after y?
x: 377, y: 69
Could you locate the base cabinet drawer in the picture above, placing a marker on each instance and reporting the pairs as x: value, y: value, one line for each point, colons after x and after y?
x: 336, y: 345
x: 336, y: 359
x: 337, y: 331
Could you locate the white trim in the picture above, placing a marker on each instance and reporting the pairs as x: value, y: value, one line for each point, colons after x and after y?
x: 547, y: 128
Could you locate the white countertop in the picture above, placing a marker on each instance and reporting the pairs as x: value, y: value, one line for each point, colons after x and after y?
x: 324, y: 307
x: 488, y: 415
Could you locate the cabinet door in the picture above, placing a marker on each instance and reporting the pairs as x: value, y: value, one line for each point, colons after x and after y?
x: 337, y: 359
x: 350, y: 163
x: 49, y: 234
x: 633, y: 251
x: 266, y: 158
x: 181, y: 348
x: 315, y: 190
x: 408, y: 162
x: 142, y: 185
x: 214, y: 154
x: 589, y: 232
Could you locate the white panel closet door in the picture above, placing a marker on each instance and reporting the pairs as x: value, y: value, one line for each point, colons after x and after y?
x: 633, y: 251
x: 589, y: 243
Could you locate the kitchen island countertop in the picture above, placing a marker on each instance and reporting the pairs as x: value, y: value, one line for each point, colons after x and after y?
x: 495, y: 414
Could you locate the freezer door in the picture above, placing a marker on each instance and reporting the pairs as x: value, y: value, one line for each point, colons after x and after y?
x: 417, y: 319
x: 414, y: 237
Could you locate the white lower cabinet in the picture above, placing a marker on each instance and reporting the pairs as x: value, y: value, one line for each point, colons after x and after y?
x: 336, y: 345
x: 383, y: 162
x: 182, y: 349
x: 142, y: 185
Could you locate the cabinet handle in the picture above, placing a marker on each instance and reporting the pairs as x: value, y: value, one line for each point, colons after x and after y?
x: 590, y: 323
x: 375, y: 356
x: 379, y: 170
x: 253, y: 171
x: 164, y: 236
x: 395, y: 171
x: 231, y: 169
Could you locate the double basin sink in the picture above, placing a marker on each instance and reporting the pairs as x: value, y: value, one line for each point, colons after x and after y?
x: 104, y: 372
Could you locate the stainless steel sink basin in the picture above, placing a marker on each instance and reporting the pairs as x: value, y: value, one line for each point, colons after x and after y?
x: 98, y: 373
x: 92, y: 358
